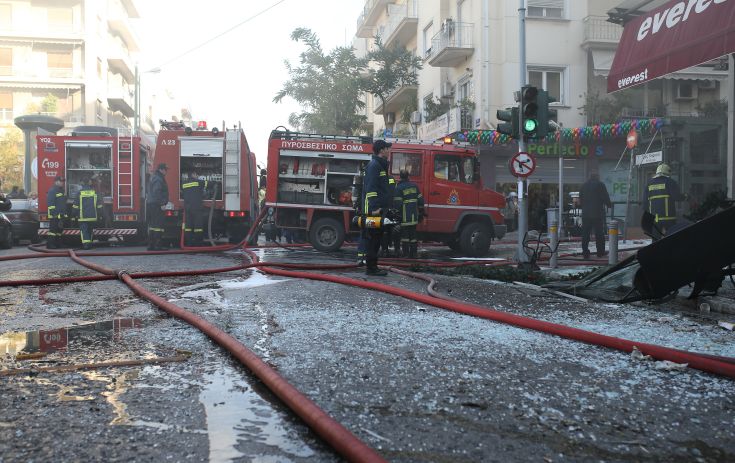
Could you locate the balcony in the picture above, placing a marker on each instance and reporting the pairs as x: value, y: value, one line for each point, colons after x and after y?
x: 118, y: 60
x: 26, y: 32
x: 402, y: 23
x: 368, y: 18
x: 452, y: 45
x: 121, y: 26
x: 600, y: 33
x: 404, y: 93
x: 121, y: 100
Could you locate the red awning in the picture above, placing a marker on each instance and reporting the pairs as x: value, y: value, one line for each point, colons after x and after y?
x: 675, y: 36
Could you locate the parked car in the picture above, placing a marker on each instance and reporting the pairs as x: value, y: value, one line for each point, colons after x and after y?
x: 23, y: 214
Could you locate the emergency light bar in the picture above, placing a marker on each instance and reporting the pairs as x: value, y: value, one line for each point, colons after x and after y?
x: 172, y: 213
x: 202, y: 125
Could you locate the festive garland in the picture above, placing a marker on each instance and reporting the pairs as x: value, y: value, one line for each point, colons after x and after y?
x: 575, y: 135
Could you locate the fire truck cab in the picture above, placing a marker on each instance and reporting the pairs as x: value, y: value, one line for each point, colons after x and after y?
x: 116, y: 164
x: 224, y: 159
x: 310, y: 178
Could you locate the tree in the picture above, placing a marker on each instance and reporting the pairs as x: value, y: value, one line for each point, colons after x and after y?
x: 604, y: 110
x: 327, y: 86
x: 393, y: 67
x: 11, y: 158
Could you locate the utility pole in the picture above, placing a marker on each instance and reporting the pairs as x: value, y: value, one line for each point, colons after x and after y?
x: 521, y: 255
x: 136, y: 103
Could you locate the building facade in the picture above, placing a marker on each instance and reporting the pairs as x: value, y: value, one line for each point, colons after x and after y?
x: 72, y: 59
x: 471, y: 68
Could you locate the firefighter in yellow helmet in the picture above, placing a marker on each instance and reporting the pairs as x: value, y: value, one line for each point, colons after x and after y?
x: 660, y: 197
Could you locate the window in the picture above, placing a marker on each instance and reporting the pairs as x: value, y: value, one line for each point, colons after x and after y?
x: 59, y: 63
x: 546, y: 8
x: 6, y: 106
x: 98, y: 109
x: 60, y: 19
x: 6, y: 18
x: 410, y: 162
x: 451, y: 168
x: 551, y: 80
x: 6, y: 61
x: 427, y: 39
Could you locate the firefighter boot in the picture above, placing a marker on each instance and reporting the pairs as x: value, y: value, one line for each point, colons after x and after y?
x: 413, y: 253
x: 406, y: 249
x: 51, y: 242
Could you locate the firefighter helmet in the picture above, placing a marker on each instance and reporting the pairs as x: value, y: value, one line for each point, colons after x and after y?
x: 663, y: 169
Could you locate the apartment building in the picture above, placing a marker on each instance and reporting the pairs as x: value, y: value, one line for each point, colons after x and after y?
x: 471, y: 68
x: 72, y: 59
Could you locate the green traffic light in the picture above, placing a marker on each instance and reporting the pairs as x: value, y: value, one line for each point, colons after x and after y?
x: 529, y: 125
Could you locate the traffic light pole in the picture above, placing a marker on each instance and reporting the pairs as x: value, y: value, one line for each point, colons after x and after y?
x: 521, y: 255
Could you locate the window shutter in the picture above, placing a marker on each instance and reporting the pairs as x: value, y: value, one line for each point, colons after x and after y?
x: 547, y: 3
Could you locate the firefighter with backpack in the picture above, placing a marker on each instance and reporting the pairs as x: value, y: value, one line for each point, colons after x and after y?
x: 193, y: 192
x: 410, y: 204
x: 87, y: 210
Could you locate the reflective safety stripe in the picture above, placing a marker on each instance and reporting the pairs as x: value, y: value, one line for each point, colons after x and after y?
x: 58, y: 195
x: 190, y: 185
x: 198, y: 230
x: 155, y: 229
x: 657, y: 186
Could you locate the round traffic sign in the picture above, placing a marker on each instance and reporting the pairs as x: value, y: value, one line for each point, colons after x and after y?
x: 632, y: 139
x: 522, y: 164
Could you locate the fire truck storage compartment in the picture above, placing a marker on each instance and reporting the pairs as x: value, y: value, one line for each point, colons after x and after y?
x: 204, y: 154
x: 89, y: 160
x: 310, y: 180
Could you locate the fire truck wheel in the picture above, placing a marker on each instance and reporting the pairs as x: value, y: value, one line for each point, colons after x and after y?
x: 327, y: 234
x: 474, y: 239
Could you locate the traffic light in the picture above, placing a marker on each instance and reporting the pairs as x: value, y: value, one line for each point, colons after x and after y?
x: 545, y: 114
x: 529, y: 111
x: 510, y: 124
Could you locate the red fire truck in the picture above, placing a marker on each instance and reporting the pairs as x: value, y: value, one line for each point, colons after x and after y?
x: 223, y: 158
x: 116, y: 164
x: 310, y: 179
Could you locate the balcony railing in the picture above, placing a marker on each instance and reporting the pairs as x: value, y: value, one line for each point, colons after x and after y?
x: 6, y: 70
x: 61, y: 73
x: 598, y: 30
x: 451, y: 45
x: 367, y: 19
x: 402, y: 22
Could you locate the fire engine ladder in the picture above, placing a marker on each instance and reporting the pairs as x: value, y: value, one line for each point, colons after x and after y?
x: 125, y: 171
x: 232, y: 169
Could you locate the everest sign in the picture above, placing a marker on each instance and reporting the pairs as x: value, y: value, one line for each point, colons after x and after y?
x: 675, y: 36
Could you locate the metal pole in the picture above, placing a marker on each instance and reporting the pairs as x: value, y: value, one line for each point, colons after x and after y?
x: 554, y: 242
x: 561, y: 197
x: 612, y: 233
x: 521, y: 255
x: 136, y: 103
x: 27, y: 173
x: 627, y: 198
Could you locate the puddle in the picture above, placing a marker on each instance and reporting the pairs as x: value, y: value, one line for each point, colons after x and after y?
x: 64, y: 339
x: 212, y: 292
x: 237, y: 413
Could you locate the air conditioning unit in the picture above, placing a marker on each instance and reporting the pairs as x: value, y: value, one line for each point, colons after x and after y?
x: 686, y: 90
x: 416, y: 117
x: 390, y: 118
x: 707, y: 84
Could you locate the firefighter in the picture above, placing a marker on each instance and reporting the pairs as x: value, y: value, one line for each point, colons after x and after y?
x: 87, y: 210
x: 391, y: 234
x: 377, y: 200
x: 660, y: 197
x: 410, y: 204
x: 193, y: 192
x: 155, y: 201
x: 56, y: 200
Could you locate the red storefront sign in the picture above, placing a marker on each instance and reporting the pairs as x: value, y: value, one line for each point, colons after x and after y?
x: 675, y: 36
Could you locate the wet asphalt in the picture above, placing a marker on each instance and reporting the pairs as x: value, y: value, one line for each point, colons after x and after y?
x: 415, y: 382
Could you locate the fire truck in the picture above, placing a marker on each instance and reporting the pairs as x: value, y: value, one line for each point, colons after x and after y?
x: 310, y: 178
x: 223, y: 158
x: 117, y: 166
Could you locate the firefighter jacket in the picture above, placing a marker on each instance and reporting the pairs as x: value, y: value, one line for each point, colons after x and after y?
x: 157, y: 190
x: 56, y: 200
x: 86, y: 206
x: 375, y: 186
x: 193, y: 192
x: 660, y: 198
x: 409, y: 202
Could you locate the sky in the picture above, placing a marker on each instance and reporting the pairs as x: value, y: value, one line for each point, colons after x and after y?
x: 235, y: 77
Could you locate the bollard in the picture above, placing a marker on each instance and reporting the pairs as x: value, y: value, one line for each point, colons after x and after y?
x: 554, y: 242
x: 612, y: 233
